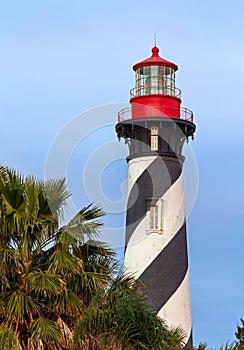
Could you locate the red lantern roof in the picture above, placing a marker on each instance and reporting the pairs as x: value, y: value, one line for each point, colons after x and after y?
x: 155, y: 60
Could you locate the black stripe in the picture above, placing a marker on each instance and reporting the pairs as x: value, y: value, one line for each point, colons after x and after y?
x: 165, y: 274
x: 190, y: 341
x: 152, y: 183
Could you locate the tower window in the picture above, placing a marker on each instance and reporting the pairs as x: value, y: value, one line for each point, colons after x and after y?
x: 154, y: 138
x: 154, y: 215
x: 153, y: 225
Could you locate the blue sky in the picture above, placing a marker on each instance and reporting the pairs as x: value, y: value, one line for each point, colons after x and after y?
x: 60, y: 58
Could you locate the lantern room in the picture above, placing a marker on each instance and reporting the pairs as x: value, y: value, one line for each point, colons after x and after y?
x: 155, y: 76
x: 155, y: 93
x: 155, y: 80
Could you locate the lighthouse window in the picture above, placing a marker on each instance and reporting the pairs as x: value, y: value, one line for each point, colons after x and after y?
x: 155, y: 80
x: 154, y: 215
x: 153, y: 218
x: 154, y: 138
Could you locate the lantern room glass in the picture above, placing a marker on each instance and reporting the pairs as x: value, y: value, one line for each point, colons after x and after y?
x: 155, y: 80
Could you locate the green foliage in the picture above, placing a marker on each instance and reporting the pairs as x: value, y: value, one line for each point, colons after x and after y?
x: 228, y: 346
x: 45, y: 330
x: 202, y: 346
x: 239, y: 334
x: 20, y: 307
x: 123, y: 313
x: 44, y: 284
x: 59, y: 287
x: 44, y: 269
x: 8, y: 339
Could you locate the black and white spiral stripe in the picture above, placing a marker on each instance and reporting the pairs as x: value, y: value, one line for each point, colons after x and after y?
x: 159, y: 260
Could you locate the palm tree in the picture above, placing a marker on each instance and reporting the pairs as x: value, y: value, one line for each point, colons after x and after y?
x: 47, y: 274
x: 59, y: 286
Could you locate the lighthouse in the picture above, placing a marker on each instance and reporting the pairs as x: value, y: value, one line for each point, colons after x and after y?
x: 155, y: 127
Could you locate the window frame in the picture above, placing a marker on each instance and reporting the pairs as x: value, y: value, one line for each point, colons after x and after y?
x: 154, y: 138
x: 154, y: 222
x: 151, y: 205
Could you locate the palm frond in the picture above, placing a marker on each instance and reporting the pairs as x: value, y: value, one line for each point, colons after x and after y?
x: 97, y: 257
x: 67, y: 303
x: 65, y: 239
x: 177, y: 336
x: 45, y: 329
x: 11, y: 189
x: 202, y: 346
x: 2, y: 308
x: 64, y: 263
x: 9, y: 261
x: 31, y: 194
x: 93, y: 323
x: 94, y: 248
x: 230, y: 346
x: 87, y: 284
x: 44, y: 284
x: 3, y: 173
x: 91, y: 212
x: 8, y: 339
x: 122, y: 285
x: 20, y: 307
x: 4, y: 282
x: 85, y: 223
x: 57, y: 194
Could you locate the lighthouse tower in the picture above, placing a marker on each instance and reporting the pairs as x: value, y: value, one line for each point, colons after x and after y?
x: 155, y: 128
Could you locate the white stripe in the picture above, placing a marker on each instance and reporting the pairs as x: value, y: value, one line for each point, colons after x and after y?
x: 177, y: 310
x: 136, y: 167
x: 144, y: 247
